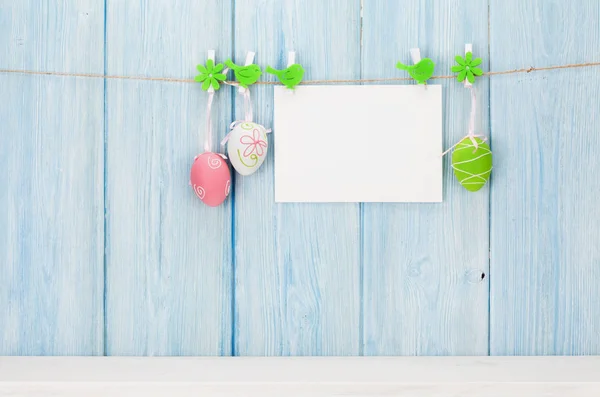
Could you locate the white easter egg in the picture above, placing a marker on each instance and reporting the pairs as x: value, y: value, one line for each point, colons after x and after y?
x: 247, y: 147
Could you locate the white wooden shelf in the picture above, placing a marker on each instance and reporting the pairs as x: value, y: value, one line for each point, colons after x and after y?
x: 300, y: 376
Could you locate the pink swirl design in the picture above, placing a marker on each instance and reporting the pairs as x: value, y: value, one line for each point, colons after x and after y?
x: 254, y: 144
x: 199, y: 190
x: 227, y: 188
x: 214, y: 162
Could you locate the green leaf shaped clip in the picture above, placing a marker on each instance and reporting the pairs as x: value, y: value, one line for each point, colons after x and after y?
x: 245, y: 75
x: 466, y: 68
x: 421, y: 71
x: 210, y: 75
x: 290, y: 76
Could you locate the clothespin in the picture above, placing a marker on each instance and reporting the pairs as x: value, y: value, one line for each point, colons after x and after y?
x: 292, y: 75
x: 211, y: 56
x: 415, y: 54
x: 249, y: 60
x: 291, y: 60
x: 421, y: 70
x: 468, y: 48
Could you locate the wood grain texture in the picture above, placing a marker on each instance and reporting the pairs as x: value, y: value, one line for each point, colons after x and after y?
x: 51, y: 156
x: 297, y: 265
x: 423, y: 263
x: 168, y: 255
x: 310, y: 279
x: 544, y: 212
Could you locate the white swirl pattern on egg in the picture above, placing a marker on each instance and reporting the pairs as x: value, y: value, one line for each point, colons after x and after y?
x: 214, y: 162
x: 199, y: 190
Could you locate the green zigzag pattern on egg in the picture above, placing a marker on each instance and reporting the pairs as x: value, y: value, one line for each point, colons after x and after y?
x: 472, y: 166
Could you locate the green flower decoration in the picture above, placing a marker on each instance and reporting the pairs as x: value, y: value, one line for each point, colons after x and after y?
x: 210, y: 75
x: 466, y: 68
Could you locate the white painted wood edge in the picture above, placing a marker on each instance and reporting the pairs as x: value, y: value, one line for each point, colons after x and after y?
x: 300, y: 376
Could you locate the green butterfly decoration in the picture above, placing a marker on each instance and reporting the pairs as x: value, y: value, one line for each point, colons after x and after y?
x: 290, y: 76
x: 421, y: 71
x: 245, y: 75
x: 467, y: 68
x: 210, y: 75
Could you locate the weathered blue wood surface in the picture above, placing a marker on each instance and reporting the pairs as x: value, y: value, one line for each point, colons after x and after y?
x: 297, y: 265
x: 51, y: 179
x: 545, y: 240
x: 424, y: 286
x: 168, y: 257
x: 162, y: 274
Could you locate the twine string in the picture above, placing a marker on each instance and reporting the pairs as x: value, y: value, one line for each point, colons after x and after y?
x: 305, y: 82
x: 248, y: 102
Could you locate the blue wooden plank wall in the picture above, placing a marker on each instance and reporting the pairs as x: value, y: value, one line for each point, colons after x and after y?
x: 104, y: 249
x: 545, y: 240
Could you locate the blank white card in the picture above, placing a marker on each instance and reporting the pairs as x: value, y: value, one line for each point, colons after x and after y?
x: 358, y: 143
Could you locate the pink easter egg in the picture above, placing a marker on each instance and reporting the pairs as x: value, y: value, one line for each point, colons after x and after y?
x: 210, y: 178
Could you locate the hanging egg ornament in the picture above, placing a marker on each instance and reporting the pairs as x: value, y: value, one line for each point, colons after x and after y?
x: 472, y: 165
x: 210, y: 178
x: 247, y: 147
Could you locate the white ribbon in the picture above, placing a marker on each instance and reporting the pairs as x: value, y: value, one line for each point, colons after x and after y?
x: 247, y: 106
x: 471, y: 133
x: 248, y: 115
x: 247, y: 118
x: 208, y: 139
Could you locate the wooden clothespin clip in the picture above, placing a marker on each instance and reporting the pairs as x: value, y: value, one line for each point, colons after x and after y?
x: 249, y: 60
x: 290, y: 61
x: 415, y: 54
x: 468, y: 48
x: 292, y: 75
x: 211, y: 56
x: 291, y: 58
x: 421, y: 70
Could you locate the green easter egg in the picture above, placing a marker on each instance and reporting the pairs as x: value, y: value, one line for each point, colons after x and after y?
x: 472, y: 167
